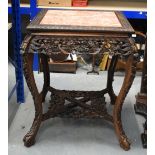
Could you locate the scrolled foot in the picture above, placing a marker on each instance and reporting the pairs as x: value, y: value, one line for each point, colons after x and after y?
x: 124, y: 143
x: 29, y: 140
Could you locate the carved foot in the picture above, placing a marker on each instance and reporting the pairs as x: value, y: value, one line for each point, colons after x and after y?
x: 124, y: 143
x: 29, y: 139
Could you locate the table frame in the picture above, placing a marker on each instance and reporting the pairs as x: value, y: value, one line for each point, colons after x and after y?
x: 58, y: 106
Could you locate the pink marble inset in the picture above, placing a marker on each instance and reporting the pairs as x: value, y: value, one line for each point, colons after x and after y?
x: 81, y: 18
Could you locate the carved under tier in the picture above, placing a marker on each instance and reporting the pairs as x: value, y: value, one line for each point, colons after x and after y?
x: 77, y: 104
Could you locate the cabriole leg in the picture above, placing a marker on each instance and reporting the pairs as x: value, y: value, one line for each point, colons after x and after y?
x: 29, y: 138
x: 128, y: 80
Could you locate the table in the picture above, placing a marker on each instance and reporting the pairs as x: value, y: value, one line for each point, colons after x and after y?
x: 54, y: 34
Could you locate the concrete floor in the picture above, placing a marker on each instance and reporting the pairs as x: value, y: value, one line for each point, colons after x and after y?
x: 13, y: 105
x: 77, y: 137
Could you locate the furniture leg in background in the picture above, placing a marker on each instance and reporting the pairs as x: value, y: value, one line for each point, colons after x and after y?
x: 141, y: 99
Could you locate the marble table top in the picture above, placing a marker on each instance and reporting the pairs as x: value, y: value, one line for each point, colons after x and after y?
x: 81, y: 18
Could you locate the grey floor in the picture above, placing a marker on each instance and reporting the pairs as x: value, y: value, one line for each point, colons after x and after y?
x: 74, y: 137
x: 13, y: 105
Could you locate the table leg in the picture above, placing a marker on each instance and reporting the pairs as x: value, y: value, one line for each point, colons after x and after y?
x: 110, y: 79
x: 29, y: 138
x: 128, y: 80
x: 46, y: 73
x: 144, y: 136
x: 93, y: 67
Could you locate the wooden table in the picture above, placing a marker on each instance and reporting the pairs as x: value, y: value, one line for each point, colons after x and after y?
x: 54, y: 34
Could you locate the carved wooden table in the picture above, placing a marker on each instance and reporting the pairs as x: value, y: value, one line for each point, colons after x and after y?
x: 81, y: 32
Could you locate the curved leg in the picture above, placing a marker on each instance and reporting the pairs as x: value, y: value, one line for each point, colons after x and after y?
x: 46, y: 73
x: 29, y: 138
x: 129, y: 77
x: 110, y: 79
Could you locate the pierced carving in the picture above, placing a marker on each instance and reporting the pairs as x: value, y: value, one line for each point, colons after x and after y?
x: 88, y: 104
x: 58, y: 47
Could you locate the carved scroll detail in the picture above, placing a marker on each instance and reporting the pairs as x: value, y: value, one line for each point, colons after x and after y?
x: 81, y: 45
